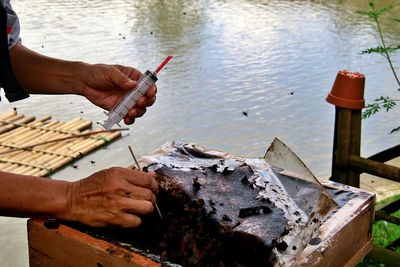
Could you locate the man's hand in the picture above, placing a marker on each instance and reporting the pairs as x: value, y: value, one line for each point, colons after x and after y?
x: 115, y: 196
x: 105, y: 85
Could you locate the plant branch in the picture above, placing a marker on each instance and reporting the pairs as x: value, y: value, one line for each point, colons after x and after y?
x: 385, y: 50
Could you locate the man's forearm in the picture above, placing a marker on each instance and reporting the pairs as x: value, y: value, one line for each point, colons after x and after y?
x: 45, y: 75
x: 29, y: 196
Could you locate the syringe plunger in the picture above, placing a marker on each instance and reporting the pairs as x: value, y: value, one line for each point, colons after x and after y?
x: 121, y: 109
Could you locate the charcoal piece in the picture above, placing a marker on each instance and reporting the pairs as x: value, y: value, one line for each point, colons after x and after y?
x: 196, y: 153
x: 213, y: 167
x: 244, y: 180
x: 196, y: 184
x: 266, y: 200
x: 227, y: 170
x: 282, y: 246
x: 226, y: 218
x: 258, y: 210
x: 315, y: 241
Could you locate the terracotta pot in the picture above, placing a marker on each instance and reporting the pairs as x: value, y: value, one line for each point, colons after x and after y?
x: 348, y: 90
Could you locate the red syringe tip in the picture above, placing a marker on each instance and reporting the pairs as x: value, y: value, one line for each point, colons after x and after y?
x: 163, y: 64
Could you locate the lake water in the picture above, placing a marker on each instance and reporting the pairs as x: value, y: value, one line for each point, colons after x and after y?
x: 275, y: 60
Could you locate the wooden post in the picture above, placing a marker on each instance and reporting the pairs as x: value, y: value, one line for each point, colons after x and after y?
x: 347, y: 95
x: 347, y: 141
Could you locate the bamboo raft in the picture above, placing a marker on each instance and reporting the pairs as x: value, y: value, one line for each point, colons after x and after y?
x: 38, y: 147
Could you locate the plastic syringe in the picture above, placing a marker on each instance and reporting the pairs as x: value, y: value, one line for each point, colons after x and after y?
x: 119, y: 111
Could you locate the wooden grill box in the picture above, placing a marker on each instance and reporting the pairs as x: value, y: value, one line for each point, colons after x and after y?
x: 346, y: 239
x: 342, y: 239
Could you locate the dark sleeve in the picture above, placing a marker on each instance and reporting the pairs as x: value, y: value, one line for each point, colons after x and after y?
x: 8, y: 82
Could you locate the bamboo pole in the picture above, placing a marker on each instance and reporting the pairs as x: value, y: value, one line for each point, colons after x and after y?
x: 13, y: 131
x: 22, y: 156
x: 53, y: 125
x: 46, y: 135
x: 20, y: 130
x: 58, y: 147
x: 20, y: 169
x: 11, y: 168
x: 7, y: 128
x: 60, y: 162
x: 23, y: 136
x: 62, y: 139
x: 67, y: 146
x: 11, y: 155
x: 31, y: 172
x: 6, y: 115
x: 10, y: 119
x: 76, y: 141
x: 82, y: 126
x: 99, y: 143
x: 33, y: 155
x: 44, y: 138
x: 27, y: 170
x: 54, y: 160
x: 8, y: 135
x: 19, y: 163
x: 4, y: 165
x: 27, y: 138
x: 84, y: 144
x: 44, y: 159
x: 43, y: 144
x: 39, y: 162
x: 28, y: 157
x: 70, y: 124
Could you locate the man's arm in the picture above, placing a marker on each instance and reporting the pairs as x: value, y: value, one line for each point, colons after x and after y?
x: 40, y: 74
x: 25, y: 196
x: 104, y: 85
x: 115, y: 196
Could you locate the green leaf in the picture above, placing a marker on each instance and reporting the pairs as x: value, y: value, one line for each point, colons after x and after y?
x: 395, y: 130
x: 382, y: 102
x: 381, y: 50
x: 369, y: 14
x: 374, y: 13
x: 385, y: 9
x: 389, y: 105
x: 372, y: 4
x: 370, y: 110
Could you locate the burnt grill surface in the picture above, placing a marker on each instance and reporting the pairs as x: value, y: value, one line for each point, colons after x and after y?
x: 210, y: 218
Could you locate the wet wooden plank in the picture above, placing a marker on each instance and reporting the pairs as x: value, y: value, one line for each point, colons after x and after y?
x: 383, y: 188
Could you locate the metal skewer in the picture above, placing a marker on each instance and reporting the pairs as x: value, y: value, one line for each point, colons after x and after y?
x: 138, y: 166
